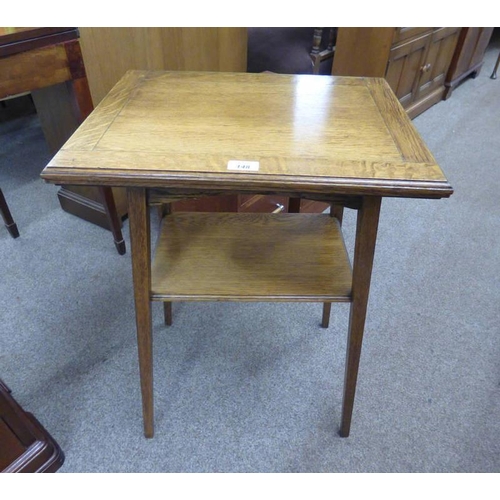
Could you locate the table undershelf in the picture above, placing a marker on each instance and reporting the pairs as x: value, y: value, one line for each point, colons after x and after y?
x: 251, y: 257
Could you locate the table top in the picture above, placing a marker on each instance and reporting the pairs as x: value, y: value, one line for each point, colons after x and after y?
x: 251, y: 132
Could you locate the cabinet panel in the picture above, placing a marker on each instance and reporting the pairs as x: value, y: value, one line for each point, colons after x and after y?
x: 437, y: 61
x: 468, y: 56
x: 405, y: 64
x: 403, y: 34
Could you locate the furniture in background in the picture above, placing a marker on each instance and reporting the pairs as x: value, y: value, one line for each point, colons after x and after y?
x: 494, y: 74
x: 251, y: 134
x: 7, y: 217
x: 319, y: 55
x: 25, y: 445
x: 468, y: 57
x: 48, y: 63
x: 110, y: 52
x: 414, y: 61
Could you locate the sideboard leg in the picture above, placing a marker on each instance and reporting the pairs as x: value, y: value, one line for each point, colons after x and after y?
x: 108, y: 202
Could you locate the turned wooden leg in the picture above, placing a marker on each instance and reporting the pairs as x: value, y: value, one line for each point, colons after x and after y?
x: 364, y: 249
x: 167, y: 311
x: 141, y: 272
x: 7, y: 217
x: 108, y: 202
x: 316, y: 45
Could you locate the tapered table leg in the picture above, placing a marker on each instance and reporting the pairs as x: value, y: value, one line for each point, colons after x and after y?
x: 327, y: 307
x: 141, y: 272
x: 167, y: 312
x: 336, y: 211
x: 364, y: 249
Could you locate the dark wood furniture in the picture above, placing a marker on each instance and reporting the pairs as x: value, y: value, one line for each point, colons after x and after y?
x: 25, y: 445
x: 494, y: 74
x: 414, y: 61
x: 344, y: 141
x: 318, y: 55
x: 48, y: 63
x: 468, y: 57
x: 7, y: 217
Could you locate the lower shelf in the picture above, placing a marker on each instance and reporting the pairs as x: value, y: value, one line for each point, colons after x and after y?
x: 251, y: 257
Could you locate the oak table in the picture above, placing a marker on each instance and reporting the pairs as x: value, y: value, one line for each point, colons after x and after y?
x: 166, y: 136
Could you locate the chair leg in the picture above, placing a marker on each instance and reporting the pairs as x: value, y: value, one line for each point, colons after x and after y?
x: 109, y: 206
x: 7, y: 217
x: 167, y: 310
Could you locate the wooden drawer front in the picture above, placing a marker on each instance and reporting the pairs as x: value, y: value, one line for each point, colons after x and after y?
x: 33, y: 70
x: 404, y: 67
x: 437, y: 62
x: 405, y: 34
x: 263, y: 203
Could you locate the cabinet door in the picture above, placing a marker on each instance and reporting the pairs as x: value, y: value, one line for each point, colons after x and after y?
x: 437, y: 62
x: 404, y: 67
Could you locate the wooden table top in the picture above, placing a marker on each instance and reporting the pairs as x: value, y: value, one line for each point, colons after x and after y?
x: 251, y: 132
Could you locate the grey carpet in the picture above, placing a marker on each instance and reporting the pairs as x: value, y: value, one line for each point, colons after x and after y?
x: 258, y: 387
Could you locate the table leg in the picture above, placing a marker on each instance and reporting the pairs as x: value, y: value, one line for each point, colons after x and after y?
x: 336, y: 211
x: 364, y: 249
x: 327, y: 307
x: 140, y: 244
x: 167, y: 312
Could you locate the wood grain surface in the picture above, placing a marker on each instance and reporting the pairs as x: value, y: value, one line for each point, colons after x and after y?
x: 315, y: 133
x: 250, y: 257
x: 110, y: 52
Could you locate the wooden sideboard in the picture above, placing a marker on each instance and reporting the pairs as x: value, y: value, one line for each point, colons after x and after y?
x: 25, y: 445
x: 414, y: 61
x: 468, y: 57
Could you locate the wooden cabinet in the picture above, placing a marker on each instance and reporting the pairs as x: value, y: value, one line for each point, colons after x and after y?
x: 25, y: 445
x: 406, y: 63
x: 415, y: 61
x: 418, y: 65
x: 468, y: 57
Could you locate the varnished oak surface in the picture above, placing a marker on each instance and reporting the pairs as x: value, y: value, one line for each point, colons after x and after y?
x: 309, y: 133
x: 267, y: 257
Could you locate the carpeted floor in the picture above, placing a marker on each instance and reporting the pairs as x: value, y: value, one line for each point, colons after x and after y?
x: 258, y: 387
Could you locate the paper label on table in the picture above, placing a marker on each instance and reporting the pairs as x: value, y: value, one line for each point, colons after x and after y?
x: 247, y: 166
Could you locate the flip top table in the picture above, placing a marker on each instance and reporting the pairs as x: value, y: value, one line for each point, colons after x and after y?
x: 166, y: 136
